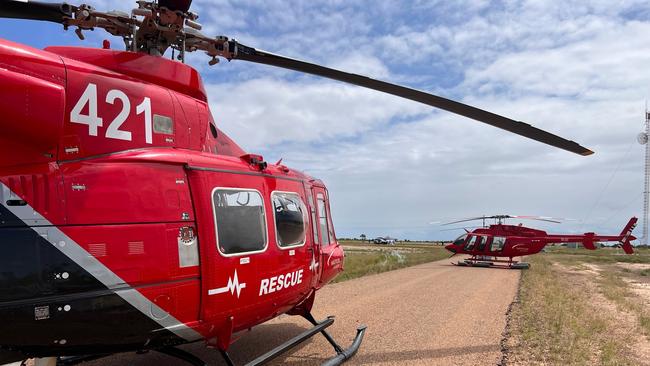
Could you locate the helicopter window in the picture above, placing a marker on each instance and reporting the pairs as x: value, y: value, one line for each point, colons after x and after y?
x: 213, y: 130
x: 471, y: 242
x: 290, y: 213
x: 482, y: 240
x: 331, y: 230
x: 322, y: 219
x: 240, y: 221
x: 497, y: 243
x: 313, y: 218
x: 460, y: 240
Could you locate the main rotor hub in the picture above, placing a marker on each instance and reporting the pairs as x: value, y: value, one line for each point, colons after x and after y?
x: 152, y: 28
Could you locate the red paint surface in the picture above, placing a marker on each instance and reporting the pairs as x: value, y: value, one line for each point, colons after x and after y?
x: 124, y: 201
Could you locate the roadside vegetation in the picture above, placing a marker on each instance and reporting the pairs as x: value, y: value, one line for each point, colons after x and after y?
x: 362, y: 259
x: 582, y: 307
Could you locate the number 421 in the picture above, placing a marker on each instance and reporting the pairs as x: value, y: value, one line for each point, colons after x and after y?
x: 93, y: 121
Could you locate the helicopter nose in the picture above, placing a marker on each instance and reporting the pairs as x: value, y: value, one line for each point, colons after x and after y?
x: 451, y: 248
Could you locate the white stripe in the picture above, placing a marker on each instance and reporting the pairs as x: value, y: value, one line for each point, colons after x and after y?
x: 97, y: 269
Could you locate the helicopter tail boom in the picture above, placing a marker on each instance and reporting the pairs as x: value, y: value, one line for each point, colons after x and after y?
x: 624, y: 238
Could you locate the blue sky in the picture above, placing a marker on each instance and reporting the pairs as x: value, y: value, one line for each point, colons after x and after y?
x: 575, y: 68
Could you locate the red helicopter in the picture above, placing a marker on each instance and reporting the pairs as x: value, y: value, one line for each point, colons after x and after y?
x: 129, y: 221
x: 487, y: 244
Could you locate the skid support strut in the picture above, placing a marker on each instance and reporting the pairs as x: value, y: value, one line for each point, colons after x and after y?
x: 342, y: 355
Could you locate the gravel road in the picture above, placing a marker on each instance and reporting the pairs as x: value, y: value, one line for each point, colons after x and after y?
x: 431, y: 314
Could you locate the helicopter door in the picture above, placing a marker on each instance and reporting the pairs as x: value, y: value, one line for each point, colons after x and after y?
x: 232, y: 214
x: 315, y: 247
x: 481, y: 242
x: 331, y: 257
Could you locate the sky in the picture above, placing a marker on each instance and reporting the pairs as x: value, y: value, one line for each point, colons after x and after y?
x: 579, y: 69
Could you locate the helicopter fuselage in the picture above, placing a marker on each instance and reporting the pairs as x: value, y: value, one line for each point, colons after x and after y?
x: 129, y: 221
x: 516, y: 240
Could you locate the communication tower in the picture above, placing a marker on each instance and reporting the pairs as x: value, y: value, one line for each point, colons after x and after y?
x: 643, y: 140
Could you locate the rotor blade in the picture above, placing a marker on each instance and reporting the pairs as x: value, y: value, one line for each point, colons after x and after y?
x: 538, y: 218
x: 470, y: 219
x: 242, y: 52
x: 461, y: 228
x: 36, y: 10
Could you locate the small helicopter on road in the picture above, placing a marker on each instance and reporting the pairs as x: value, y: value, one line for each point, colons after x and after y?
x: 129, y: 221
x: 487, y: 245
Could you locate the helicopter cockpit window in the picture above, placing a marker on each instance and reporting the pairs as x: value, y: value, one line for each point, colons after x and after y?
x: 460, y: 240
x: 290, y: 216
x: 240, y: 220
x: 471, y: 242
x: 497, y: 243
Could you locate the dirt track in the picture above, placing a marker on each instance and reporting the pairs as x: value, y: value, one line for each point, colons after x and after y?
x: 431, y: 314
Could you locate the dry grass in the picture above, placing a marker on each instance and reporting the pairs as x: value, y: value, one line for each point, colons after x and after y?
x: 554, y: 323
x: 617, y: 290
x: 577, y: 307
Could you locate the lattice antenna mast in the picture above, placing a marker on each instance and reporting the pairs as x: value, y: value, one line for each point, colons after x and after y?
x: 643, y: 140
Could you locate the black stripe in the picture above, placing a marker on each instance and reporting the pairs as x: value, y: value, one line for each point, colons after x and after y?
x: 98, y: 320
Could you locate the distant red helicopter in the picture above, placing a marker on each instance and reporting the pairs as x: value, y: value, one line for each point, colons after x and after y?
x: 129, y: 221
x: 487, y: 244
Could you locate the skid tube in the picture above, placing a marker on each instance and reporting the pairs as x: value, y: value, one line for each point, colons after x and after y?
x: 492, y: 262
x: 342, y: 355
x: 169, y: 351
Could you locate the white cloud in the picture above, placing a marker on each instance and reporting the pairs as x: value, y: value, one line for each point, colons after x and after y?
x: 263, y: 112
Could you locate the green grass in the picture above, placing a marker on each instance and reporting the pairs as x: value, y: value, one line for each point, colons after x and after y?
x: 554, y: 323
x: 360, y: 263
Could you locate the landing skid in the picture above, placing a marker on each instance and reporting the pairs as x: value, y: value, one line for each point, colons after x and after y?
x: 342, y: 355
x: 170, y: 351
x: 492, y: 262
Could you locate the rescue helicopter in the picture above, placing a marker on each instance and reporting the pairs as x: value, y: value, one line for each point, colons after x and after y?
x: 129, y: 221
x: 487, y: 245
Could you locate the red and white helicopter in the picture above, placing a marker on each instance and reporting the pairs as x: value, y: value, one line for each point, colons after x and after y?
x: 499, y: 244
x: 129, y: 221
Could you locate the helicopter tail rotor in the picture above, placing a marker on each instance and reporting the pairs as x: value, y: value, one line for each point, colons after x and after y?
x: 627, y: 237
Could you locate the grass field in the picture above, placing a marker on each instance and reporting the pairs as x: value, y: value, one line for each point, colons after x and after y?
x: 365, y: 258
x: 582, y: 307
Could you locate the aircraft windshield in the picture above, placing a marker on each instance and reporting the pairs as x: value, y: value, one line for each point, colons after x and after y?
x: 460, y: 240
